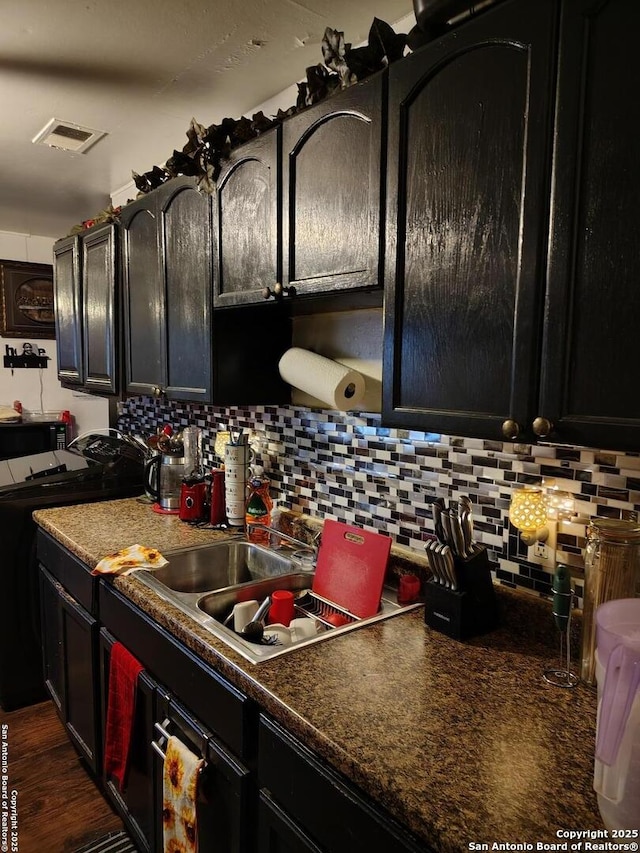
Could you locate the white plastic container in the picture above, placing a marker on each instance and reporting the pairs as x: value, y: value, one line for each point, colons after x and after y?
x: 617, y: 762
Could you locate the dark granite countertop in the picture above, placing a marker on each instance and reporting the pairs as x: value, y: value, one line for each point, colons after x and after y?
x: 464, y: 743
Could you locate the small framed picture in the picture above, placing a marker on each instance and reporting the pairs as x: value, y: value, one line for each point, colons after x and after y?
x: 26, y: 300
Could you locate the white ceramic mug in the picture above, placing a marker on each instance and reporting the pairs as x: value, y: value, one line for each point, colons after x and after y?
x: 302, y: 628
x: 238, y: 455
x: 280, y: 631
x: 243, y: 613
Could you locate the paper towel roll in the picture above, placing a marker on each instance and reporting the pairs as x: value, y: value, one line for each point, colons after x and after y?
x: 333, y: 383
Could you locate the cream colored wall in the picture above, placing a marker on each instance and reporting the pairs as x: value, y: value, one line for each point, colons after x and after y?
x: 39, y: 390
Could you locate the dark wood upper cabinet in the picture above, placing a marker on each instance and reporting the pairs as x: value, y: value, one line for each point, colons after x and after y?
x: 86, y: 290
x: 100, y: 309
x: 468, y: 154
x: 174, y: 345
x: 593, y: 300
x: 167, y: 292
x: 297, y: 211
x: 331, y: 191
x: 512, y: 226
x: 246, y: 223
x: 68, y: 310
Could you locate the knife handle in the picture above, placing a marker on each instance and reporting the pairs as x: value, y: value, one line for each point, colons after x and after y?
x: 447, y: 535
x: 457, y: 535
x: 438, y: 508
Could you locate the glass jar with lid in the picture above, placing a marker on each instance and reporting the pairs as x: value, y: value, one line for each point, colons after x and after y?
x: 612, y: 571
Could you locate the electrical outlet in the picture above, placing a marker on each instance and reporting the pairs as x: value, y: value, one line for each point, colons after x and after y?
x: 544, y: 553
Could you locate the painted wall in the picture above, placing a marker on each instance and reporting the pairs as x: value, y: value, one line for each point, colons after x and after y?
x: 40, y: 390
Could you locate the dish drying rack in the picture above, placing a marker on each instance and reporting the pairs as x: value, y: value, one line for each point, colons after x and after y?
x: 312, y: 605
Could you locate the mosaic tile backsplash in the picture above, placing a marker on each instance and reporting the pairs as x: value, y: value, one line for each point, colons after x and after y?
x: 349, y: 467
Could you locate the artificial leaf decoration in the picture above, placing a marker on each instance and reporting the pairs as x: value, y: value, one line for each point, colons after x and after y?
x: 196, y: 135
x: 320, y: 83
x: 363, y: 61
x: 206, y: 147
x: 207, y: 179
x: 334, y: 50
x: 150, y: 180
x: 260, y: 123
x: 301, y: 100
x: 387, y: 43
x: 181, y: 164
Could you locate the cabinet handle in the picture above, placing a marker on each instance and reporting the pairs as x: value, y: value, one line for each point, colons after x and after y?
x: 511, y: 429
x: 278, y: 291
x: 542, y: 427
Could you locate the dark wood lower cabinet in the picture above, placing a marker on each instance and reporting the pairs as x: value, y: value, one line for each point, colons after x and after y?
x: 278, y: 832
x: 172, y: 685
x: 135, y: 804
x: 305, y: 803
x: 51, y: 620
x: 262, y: 789
x: 69, y: 659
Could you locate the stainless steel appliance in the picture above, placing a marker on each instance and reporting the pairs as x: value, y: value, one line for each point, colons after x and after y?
x: 163, y: 479
x: 97, y: 467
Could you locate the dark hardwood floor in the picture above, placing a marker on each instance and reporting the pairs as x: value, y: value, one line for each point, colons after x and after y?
x: 59, y: 808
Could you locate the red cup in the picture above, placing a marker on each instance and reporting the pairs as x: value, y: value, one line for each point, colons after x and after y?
x: 408, y: 589
x: 281, y: 609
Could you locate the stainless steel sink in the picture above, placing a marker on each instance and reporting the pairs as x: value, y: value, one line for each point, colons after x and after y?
x: 222, y: 564
x: 207, y: 581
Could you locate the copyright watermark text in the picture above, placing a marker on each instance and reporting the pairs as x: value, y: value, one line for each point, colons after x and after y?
x: 569, y: 840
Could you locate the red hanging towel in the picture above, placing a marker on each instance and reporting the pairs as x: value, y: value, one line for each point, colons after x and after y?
x: 123, y: 678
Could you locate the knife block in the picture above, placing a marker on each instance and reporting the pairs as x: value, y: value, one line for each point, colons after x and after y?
x: 472, y: 608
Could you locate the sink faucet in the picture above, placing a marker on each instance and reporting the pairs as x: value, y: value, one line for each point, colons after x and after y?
x: 297, y: 543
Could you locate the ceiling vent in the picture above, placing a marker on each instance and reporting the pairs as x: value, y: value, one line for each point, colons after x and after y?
x: 67, y: 136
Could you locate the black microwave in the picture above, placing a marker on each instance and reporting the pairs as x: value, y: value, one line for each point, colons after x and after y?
x: 23, y: 439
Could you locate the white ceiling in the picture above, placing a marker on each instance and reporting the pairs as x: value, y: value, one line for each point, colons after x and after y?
x: 139, y: 70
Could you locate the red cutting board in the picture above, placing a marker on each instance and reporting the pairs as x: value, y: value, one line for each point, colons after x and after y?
x: 351, y: 567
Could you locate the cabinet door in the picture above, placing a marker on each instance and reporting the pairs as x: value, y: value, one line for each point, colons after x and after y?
x: 99, y: 310
x: 69, y: 643
x: 223, y: 818
x: 52, y: 654
x: 279, y: 833
x: 593, y: 310
x: 144, y: 333
x: 469, y: 129
x: 326, y: 807
x: 136, y: 803
x: 185, y: 228
x: 79, y: 643
x: 331, y: 192
x: 68, y: 311
x: 246, y: 232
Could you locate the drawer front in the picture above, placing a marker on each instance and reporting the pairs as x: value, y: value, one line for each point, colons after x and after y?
x: 71, y: 572
x: 327, y: 807
x: 229, y: 714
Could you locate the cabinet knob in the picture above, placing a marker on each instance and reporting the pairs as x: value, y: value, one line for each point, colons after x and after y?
x: 278, y: 291
x: 510, y: 429
x: 542, y: 427
x: 157, y: 391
